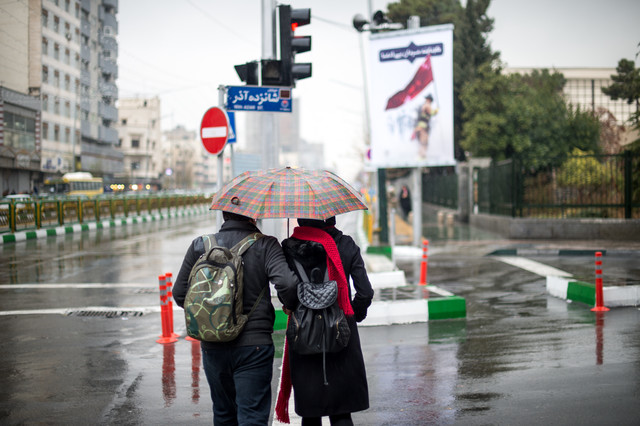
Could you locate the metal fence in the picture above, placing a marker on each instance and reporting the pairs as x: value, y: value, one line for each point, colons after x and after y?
x: 440, y: 187
x: 45, y: 213
x: 587, y: 186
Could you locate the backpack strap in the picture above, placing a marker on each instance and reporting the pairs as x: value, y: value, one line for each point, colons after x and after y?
x: 246, y: 242
x: 209, y: 242
x: 303, y: 274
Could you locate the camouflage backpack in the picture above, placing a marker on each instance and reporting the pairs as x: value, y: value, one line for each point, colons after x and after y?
x: 213, y: 306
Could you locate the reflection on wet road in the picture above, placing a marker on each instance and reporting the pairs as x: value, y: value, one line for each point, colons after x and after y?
x: 519, y: 357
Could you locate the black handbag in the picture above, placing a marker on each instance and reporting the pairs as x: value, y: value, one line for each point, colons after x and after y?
x: 317, y: 325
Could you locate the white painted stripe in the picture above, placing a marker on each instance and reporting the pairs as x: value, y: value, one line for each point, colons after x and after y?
x: 214, y: 132
x: 557, y: 286
x: 397, y: 312
x: 65, y: 311
x: 75, y: 285
x: 440, y: 291
x: 389, y: 279
x: 532, y: 266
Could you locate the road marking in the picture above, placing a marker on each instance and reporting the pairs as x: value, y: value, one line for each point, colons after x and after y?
x: 68, y: 311
x: 75, y: 285
x: 532, y: 266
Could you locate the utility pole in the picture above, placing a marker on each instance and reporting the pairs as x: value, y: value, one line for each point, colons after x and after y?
x: 416, y: 175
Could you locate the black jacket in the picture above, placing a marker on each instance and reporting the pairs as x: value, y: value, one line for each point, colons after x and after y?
x: 264, y: 262
x: 347, y: 391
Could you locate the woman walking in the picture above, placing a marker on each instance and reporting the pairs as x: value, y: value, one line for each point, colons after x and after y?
x: 318, y: 245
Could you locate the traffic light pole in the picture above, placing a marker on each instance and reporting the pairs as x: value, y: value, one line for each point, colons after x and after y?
x: 269, y: 146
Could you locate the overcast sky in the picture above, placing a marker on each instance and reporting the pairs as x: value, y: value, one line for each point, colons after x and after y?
x: 182, y: 50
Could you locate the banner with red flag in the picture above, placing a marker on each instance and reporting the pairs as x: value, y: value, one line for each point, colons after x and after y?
x: 423, y: 77
x: 411, y: 98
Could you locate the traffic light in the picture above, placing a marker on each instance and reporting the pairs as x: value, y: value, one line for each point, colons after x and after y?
x: 290, y: 20
x: 248, y: 73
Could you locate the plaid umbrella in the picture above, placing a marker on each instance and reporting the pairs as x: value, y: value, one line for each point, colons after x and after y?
x: 287, y: 193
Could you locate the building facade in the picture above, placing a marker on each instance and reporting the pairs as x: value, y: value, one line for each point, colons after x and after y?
x: 58, y: 65
x: 140, y: 143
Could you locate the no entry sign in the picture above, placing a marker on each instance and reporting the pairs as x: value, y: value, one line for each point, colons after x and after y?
x: 214, y: 130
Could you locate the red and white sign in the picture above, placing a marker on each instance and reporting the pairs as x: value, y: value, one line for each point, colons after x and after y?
x: 214, y: 130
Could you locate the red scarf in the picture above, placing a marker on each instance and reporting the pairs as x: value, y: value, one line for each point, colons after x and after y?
x: 336, y: 273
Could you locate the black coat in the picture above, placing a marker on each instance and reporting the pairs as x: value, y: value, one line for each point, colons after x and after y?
x: 264, y: 262
x: 347, y: 391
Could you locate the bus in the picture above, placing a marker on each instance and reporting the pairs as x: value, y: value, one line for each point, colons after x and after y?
x: 74, y: 184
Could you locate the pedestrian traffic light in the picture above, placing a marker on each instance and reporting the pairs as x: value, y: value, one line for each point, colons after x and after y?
x: 290, y: 44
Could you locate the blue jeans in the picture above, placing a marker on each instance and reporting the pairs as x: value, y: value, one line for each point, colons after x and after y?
x: 240, y: 382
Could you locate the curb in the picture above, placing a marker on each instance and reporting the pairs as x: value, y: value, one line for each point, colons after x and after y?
x: 579, y: 291
x: 561, y: 252
x: 81, y: 227
x: 444, y: 306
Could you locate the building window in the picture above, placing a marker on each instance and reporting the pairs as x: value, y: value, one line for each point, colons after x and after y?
x: 67, y: 57
x: 56, y: 133
x: 67, y: 82
x: 45, y: 18
x: 67, y: 109
x: 45, y: 74
x: 19, y: 131
x: 56, y: 78
x: 124, y: 121
x: 56, y: 106
x: 56, y: 51
x: 45, y: 103
x: 67, y: 135
x: 45, y: 130
x: 45, y: 46
x: 135, y: 143
x: 56, y: 24
x: 67, y: 5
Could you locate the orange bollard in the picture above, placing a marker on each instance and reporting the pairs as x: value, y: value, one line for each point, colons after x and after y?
x: 599, y: 294
x: 164, y: 313
x: 168, y: 276
x: 423, y: 265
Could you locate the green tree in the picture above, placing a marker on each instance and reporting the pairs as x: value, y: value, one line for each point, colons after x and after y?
x: 509, y: 115
x: 470, y: 46
x: 626, y: 86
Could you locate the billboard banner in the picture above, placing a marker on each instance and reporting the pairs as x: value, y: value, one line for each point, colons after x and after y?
x: 411, y: 97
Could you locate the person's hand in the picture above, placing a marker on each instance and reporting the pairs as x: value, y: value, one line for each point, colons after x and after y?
x: 287, y: 311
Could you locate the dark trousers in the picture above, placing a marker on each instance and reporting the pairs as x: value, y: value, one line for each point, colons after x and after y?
x: 240, y: 383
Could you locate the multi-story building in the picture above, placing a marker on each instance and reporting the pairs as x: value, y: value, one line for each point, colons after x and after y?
x: 62, y: 53
x: 98, y: 90
x: 20, y: 109
x: 140, y: 142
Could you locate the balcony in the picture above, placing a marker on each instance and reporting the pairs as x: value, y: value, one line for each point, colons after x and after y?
x: 111, y: 4
x: 108, y: 20
x: 108, y: 66
x: 107, y: 135
x: 85, y: 53
x: 108, y: 112
x: 109, y: 89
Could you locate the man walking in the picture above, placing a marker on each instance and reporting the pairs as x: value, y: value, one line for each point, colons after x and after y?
x: 239, y: 372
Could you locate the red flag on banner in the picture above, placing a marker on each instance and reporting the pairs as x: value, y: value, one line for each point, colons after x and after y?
x: 423, y: 77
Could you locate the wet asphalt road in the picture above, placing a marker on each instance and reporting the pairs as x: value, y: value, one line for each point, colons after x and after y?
x: 520, y: 356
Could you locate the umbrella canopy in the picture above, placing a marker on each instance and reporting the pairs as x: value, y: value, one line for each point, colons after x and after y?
x: 287, y: 193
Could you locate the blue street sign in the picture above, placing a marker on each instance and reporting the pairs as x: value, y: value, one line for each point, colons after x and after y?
x: 256, y: 98
x: 232, y: 127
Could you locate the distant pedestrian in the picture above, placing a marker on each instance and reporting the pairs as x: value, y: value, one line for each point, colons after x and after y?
x: 404, y: 199
x: 319, y: 244
x: 239, y: 372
